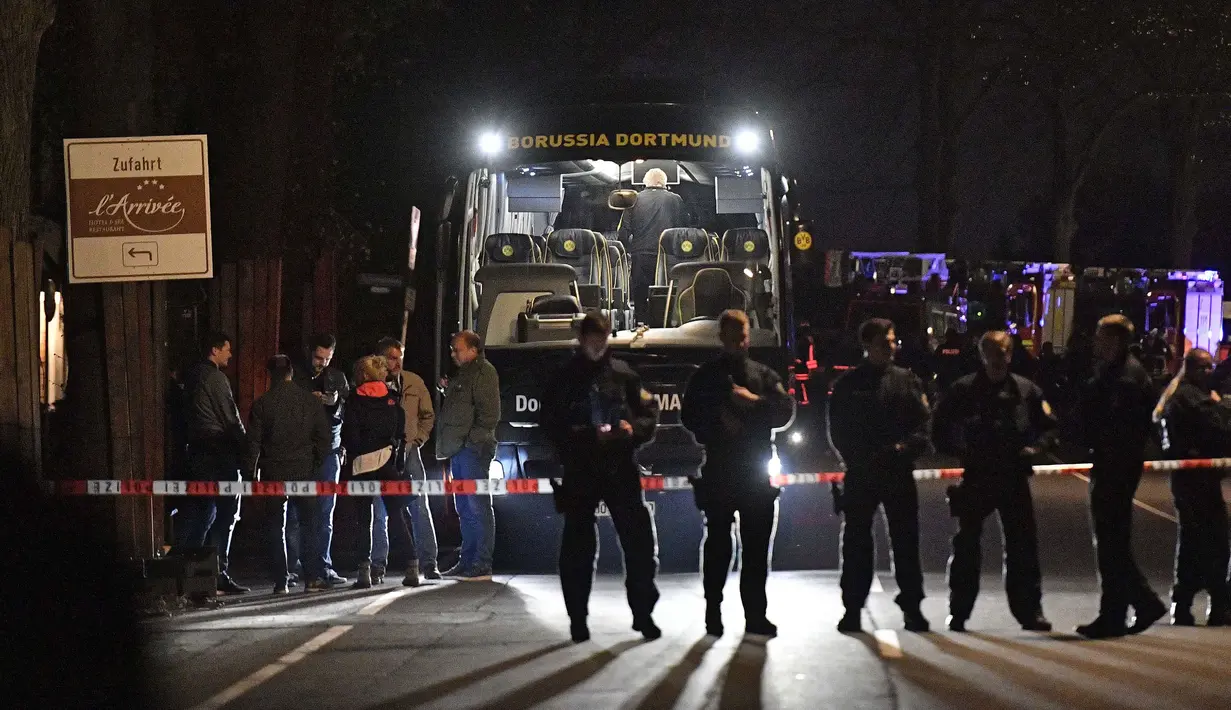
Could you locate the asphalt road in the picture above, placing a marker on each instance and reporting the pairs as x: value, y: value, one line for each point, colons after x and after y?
x: 505, y: 644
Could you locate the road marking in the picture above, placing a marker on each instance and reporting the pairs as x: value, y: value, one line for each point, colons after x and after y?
x: 232, y: 693
x: 877, y: 587
x: 388, y: 598
x: 888, y: 643
x: 1144, y: 506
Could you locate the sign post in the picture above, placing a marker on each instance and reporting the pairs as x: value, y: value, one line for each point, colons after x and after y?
x: 138, y: 209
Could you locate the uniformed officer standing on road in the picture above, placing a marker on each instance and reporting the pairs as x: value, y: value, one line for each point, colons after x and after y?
x: 878, y: 423
x: 1114, y: 422
x: 996, y: 422
x: 1198, y: 425
x: 731, y: 405
x: 597, y: 414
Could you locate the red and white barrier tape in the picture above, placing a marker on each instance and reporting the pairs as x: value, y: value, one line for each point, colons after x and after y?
x: 515, y: 486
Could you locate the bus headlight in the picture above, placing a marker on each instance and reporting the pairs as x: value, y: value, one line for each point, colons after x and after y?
x: 490, y: 143
x: 747, y: 142
x: 774, y: 467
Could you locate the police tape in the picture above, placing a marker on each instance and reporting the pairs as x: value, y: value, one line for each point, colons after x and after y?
x: 515, y: 486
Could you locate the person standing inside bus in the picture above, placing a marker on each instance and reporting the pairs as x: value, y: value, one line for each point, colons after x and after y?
x: 996, y: 422
x: 596, y: 416
x: 1198, y: 426
x: 467, y: 438
x: 1114, y: 424
x: 655, y: 210
x: 732, y: 405
x: 878, y: 424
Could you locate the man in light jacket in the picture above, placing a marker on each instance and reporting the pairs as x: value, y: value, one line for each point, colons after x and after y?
x: 467, y: 438
x: 420, y: 418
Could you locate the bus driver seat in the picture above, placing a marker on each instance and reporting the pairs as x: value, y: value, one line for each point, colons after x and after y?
x: 710, y: 293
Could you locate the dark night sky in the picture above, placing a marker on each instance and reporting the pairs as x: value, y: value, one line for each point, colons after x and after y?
x: 845, y: 109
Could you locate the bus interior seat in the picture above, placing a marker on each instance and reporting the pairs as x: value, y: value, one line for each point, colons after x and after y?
x: 678, y: 245
x: 745, y: 244
x: 683, y: 276
x: 507, y: 289
x: 509, y: 248
x: 579, y: 248
x: 619, y: 282
x: 715, y: 246
x: 711, y: 292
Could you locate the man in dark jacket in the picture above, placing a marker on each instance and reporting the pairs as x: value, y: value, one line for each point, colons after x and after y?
x: 331, y: 388
x: 731, y: 405
x: 216, y: 440
x: 1114, y: 414
x: 996, y: 422
x: 1198, y: 425
x: 655, y: 210
x: 288, y: 439
x: 878, y: 424
x: 466, y: 436
x: 596, y: 415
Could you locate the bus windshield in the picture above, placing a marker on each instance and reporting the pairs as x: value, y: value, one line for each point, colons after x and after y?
x: 543, y: 244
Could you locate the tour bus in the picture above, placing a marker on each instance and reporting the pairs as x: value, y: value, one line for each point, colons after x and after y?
x: 535, y: 247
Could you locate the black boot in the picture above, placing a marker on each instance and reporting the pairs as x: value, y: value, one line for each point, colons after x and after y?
x: 1148, y: 612
x: 915, y: 621
x: 579, y: 630
x: 760, y: 627
x: 713, y: 620
x: 851, y: 622
x: 1182, y: 614
x: 648, y: 629
x: 1220, y: 614
x: 1037, y: 623
x: 1103, y: 627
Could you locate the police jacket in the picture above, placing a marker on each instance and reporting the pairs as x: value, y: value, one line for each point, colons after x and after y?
x: 332, y: 383
x: 1196, y: 426
x: 212, y: 417
x: 1115, y: 412
x: 587, y: 394
x: 656, y: 209
x: 374, y: 420
x: 288, y: 434
x: 872, y: 411
x: 736, y: 433
x: 471, y: 411
x: 988, y: 424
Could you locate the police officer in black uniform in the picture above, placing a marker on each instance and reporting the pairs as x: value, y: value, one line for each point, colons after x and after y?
x: 731, y: 405
x: 1113, y: 420
x: 996, y: 422
x: 878, y: 423
x: 1198, y: 425
x: 597, y: 414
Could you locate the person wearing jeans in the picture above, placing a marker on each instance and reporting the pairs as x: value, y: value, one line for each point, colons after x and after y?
x: 467, y: 439
x: 422, y: 526
x: 215, y: 437
x: 416, y: 403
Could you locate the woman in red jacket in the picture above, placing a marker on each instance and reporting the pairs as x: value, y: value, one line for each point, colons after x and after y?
x: 374, y: 434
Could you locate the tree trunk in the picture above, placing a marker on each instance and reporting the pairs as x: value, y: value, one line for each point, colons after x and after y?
x: 1183, y: 121
x: 22, y: 24
x: 1063, y: 194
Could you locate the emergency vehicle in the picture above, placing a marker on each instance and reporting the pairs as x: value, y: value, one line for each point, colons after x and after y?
x: 534, y: 247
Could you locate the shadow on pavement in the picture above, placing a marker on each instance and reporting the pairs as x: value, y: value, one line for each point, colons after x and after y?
x: 667, y: 692
x: 561, y: 681
x: 439, y: 690
x: 744, y: 682
x: 1019, y: 673
x: 945, y: 686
